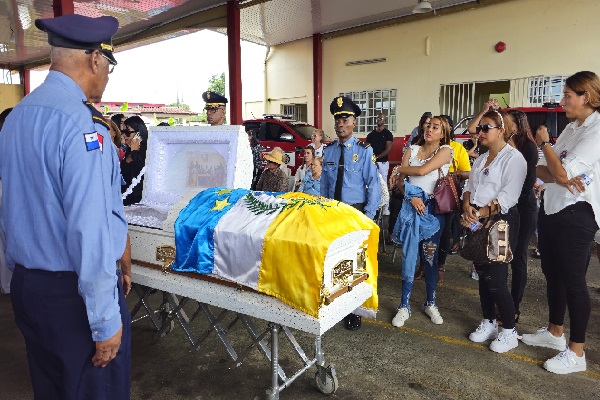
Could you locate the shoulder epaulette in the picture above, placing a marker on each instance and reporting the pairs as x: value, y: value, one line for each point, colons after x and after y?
x: 97, y: 115
x: 364, y: 144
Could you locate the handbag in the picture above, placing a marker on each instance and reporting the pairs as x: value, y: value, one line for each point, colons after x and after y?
x: 488, y: 244
x: 447, y: 193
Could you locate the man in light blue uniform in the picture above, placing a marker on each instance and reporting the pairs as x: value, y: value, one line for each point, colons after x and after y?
x: 64, y: 221
x: 349, y: 170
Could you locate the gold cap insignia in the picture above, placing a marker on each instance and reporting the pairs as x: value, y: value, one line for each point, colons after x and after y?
x: 207, y: 95
x: 355, y: 157
x: 340, y: 101
x: 105, y: 46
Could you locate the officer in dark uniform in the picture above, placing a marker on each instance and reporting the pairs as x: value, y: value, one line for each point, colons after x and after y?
x: 64, y: 221
x: 215, y: 107
x: 349, y: 170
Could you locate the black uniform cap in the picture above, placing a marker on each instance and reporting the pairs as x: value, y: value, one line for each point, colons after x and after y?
x: 76, y: 31
x: 213, y: 100
x: 342, y: 107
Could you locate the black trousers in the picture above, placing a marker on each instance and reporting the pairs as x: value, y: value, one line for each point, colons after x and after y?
x: 527, y: 223
x: 52, y: 318
x: 395, y: 206
x: 565, y: 244
x: 448, y: 234
x: 493, y: 288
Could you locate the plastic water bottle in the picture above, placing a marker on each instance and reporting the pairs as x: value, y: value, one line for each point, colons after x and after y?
x: 587, y: 179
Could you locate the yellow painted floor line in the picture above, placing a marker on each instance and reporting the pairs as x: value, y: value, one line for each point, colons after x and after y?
x: 447, y: 339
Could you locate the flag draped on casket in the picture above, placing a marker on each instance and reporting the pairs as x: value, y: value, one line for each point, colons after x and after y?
x: 275, y: 244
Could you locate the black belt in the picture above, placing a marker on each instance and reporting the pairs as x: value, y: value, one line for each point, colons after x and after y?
x: 21, y: 269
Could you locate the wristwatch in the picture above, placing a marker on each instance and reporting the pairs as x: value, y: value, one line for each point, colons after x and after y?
x: 543, y: 144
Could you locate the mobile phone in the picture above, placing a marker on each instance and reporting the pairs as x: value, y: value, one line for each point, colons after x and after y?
x: 137, y: 137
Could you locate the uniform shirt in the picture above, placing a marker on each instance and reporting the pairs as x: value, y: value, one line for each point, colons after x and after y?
x: 378, y: 140
x: 578, y: 146
x: 502, y: 179
x: 62, y: 207
x: 361, y: 184
x: 460, y: 157
x: 310, y: 185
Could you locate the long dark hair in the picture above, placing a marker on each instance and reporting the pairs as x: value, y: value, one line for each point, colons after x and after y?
x: 522, y: 131
x: 445, y: 125
x: 421, y: 131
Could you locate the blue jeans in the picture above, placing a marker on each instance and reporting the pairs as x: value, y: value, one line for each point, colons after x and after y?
x: 428, y: 250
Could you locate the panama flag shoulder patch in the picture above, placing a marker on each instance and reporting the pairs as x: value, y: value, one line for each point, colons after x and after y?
x: 92, y: 141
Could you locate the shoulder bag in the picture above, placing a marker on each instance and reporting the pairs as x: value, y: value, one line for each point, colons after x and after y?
x: 488, y: 244
x: 447, y: 193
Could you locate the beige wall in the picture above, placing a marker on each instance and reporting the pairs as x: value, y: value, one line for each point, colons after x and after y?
x: 542, y: 36
x: 10, y: 95
x: 290, y: 76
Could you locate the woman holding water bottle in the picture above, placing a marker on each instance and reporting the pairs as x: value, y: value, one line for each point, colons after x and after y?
x: 568, y: 219
x: 494, y: 187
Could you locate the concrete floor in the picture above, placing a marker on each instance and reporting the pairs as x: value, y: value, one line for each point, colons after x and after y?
x: 418, y: 361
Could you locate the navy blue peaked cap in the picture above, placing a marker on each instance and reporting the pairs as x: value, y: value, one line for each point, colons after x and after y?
x: 76, y: 31
x: 342, y: 107
x: 213, y: 100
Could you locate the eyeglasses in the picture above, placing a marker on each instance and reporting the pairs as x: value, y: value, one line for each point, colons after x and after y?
x: 111, y: 63
x: 485, y: 128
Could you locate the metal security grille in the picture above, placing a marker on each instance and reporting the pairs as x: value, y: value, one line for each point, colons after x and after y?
x: 458, y: 99
x: 534, y: 91
x: 295, y: 111
x: 371, y: 103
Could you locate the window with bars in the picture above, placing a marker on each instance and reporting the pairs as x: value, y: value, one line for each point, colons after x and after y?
x: 546, y: 89
x: 295, y: 111
x: 371, y: 103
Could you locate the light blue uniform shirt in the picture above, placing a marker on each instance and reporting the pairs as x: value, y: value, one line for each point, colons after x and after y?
x: 309, y: 185
x: 61, y: 206
x: 361, y: 183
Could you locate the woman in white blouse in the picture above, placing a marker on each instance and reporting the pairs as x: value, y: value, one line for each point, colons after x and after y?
x: 421, y: 163
x: 494, y: 187
x: 568, y: 219
x: 317, y: 142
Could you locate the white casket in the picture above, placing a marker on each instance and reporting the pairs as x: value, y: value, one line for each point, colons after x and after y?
x: 183, y: 161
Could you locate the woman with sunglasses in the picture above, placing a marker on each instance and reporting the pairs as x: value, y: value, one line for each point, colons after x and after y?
x: 421, y: 163
x: 522, y: 139
x: 568, y: 220
x: 494, y: 187
x: 317, y: 142
x: 135, y: 136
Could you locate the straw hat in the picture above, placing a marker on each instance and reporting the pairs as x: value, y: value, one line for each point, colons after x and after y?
x: 275, y: 156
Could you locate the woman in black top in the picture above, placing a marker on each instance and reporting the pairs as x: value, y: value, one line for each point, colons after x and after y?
x: 135, y: 136
x: 522, y: 139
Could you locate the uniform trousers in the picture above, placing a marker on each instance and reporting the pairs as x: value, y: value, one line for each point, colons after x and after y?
x: 52, y: 318
x: 565, y: 244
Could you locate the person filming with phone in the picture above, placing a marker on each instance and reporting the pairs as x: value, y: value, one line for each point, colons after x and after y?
x: 135, y: 136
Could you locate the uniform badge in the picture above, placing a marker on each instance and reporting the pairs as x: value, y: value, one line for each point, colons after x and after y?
x: 355, y: 157
x: 340, y: 101
x: 208, y: 95
x: 374, y: 159
x: 91, y: 141
x: 486, y: 172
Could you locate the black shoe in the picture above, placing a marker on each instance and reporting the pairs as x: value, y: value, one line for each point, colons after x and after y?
x: 454, y: 249
x: 352, y: 322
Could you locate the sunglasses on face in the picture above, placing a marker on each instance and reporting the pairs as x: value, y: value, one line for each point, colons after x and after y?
x: 485, y: 128
x: 127, y: 132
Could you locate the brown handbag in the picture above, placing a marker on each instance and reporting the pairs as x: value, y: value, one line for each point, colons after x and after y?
x: 447, y: 193
x: 488, y: 244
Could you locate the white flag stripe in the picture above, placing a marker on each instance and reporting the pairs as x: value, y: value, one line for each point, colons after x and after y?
x: 239, y: 237
x: 91, y: 137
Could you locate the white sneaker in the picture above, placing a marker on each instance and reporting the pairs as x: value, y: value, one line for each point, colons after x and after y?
x: 401, y: 316
x: 433, y: 313
x: 506, y: 340
x: 543, y: 338
x: 485, y: 331
x: 566, y: 362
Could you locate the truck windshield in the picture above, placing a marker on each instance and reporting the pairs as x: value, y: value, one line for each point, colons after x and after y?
x: 304, y: 130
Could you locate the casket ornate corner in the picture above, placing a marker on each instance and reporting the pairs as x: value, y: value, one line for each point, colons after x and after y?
x: 166, y: 255
x: 345, y: 275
